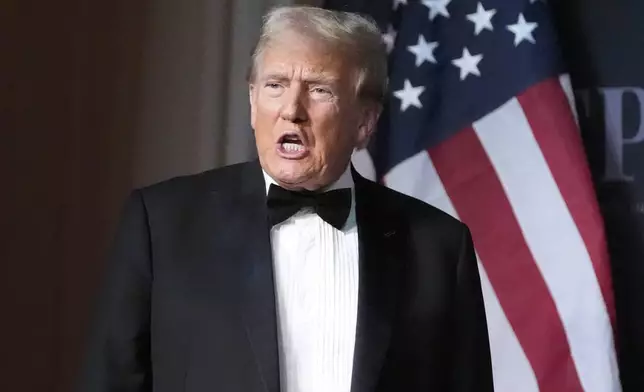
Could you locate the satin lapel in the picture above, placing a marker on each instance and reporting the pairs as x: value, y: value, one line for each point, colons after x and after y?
x: 379, y: 277
x: 250, y: 226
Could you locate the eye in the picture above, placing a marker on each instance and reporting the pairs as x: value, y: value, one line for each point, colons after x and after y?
x: 273, y: 89
x: 321, y: 92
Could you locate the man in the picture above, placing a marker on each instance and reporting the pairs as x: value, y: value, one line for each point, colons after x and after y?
x: 293, y: 273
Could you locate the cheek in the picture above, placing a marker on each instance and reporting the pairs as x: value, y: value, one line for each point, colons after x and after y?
x: 337, y: 134
x: 264, y: 116
x: 267, y: 105
x: 343, y: 126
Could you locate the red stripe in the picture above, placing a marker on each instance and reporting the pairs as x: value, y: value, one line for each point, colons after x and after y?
x: 480, y: 201
x: 548, y: 112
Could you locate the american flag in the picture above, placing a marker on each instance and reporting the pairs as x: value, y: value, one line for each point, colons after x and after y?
x: 480, y: 123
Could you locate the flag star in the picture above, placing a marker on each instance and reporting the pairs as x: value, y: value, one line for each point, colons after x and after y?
x: 523, y: 30
x: 468, y: 63
x: 389, y: 38
x: 482, y: 19
x: 437, y: 7
x: 409, y: 96
x: 398, y: 3
x: 423, y: 50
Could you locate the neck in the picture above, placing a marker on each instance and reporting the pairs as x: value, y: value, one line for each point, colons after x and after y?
x: 344, y: 181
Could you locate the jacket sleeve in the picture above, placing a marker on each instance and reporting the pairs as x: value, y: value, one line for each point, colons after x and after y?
x: 118, y: 350
x: 472, y: 370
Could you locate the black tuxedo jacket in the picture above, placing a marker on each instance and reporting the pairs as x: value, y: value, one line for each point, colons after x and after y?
x: 189, y: 303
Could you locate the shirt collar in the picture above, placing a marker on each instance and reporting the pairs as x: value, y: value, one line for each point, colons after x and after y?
x: 345, y: 181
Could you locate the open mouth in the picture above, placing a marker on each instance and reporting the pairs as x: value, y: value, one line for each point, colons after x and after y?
x: 291, y: 142
x: 291, y: 146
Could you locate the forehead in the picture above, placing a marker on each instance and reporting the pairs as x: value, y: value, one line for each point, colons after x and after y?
x: 294, y: 57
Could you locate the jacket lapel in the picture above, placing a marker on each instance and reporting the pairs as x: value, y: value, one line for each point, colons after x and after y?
x: 379, y: 277
x: 257, y: 302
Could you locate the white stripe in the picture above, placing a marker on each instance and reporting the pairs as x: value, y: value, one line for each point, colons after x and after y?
x: 564, y: 81
x: 554, y: 241
x: 417, y: 177
x: 364, y: 164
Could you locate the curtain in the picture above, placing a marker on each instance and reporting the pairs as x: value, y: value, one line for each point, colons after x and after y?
x: 194, y: 103
x: 101, y: 97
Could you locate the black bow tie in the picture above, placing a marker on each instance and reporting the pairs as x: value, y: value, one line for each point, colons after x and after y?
x: 333, y: 206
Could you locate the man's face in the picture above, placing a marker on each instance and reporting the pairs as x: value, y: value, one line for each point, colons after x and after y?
x: 305, y: 113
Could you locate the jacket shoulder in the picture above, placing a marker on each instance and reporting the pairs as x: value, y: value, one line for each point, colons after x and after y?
x: 174, y: 206
x: 417, y: 213
x: 190, y: 186
x: 435, y: 236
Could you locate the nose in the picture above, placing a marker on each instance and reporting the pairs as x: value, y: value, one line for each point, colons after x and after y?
x: 293, y: 108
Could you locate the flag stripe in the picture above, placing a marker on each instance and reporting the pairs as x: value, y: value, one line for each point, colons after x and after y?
x: 363, y: 164
x: 551, y: 235
x: 417, y: 177
x: 464, y: 169
x: 510, y: 366
x: 555, y: 132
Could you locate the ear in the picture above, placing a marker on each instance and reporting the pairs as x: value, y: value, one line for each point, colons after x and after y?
x: 251, y: 98
x: 367, y: 126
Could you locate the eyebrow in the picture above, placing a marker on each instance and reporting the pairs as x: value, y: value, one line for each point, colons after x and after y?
x: 314, y: 78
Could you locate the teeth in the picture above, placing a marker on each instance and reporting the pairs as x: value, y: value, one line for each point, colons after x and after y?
x: 292, y: 147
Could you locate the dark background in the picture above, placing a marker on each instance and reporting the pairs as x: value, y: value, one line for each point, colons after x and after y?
x: 603, y: 45
x: 66, y: 120
x: 68, y: 103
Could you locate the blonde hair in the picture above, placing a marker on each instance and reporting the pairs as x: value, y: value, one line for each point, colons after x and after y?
x: 347, y: 33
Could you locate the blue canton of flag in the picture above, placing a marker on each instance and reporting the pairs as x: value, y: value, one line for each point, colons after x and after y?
x: 451, y: 63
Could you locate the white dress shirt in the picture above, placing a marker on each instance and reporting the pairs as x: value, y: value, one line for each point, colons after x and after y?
x: 316, y: 284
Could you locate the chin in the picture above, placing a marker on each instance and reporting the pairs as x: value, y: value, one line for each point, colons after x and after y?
x: 292, y: 174
x: 290, y: 168
x: 291, y: 177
